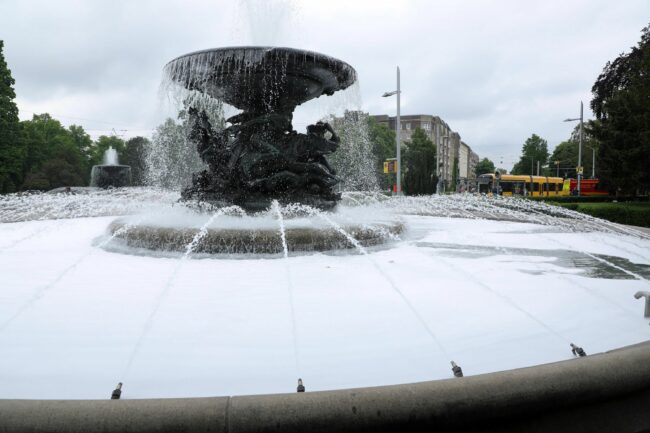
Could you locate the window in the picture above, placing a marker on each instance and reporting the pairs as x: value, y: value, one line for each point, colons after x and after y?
x: 426, y: 126
x: 408, y: 125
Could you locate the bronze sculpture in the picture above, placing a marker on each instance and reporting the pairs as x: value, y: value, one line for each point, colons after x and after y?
x: 260, y: 157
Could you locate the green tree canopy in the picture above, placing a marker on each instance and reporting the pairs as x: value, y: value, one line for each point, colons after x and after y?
x: 419, y: 164
x: 484, y: 166
x: 565, y: 154
x: 11, y: 144
x: 383, y: 144
x: 534, y: 149
x: 621, y: 103
x: 53, y: 154
x: 81, y: 140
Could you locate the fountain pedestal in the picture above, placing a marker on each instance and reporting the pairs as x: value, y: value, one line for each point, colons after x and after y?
x: 104, y: 176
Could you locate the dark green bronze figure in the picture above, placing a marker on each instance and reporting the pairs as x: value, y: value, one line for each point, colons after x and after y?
x: 259, y: 157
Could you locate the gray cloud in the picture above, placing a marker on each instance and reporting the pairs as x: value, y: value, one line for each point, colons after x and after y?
x: 496, y: 71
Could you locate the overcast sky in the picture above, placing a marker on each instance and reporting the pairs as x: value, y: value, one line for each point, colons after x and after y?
x: 496, y: 71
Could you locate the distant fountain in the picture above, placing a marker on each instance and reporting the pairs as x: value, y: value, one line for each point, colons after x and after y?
x: 111, y: 173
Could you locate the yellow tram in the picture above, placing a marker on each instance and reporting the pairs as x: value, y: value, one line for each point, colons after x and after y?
x: 523, y: 185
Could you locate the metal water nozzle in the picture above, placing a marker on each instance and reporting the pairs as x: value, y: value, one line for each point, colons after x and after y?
x: 301, y: 387
x: 458, y: 372
x: 646, y: 295
x: 577, y: 351
x: 117, y: 392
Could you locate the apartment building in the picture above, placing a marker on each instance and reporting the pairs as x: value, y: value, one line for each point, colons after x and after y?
x: 449, y: 145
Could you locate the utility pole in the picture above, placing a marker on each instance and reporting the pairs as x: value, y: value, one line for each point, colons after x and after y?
x: 399, y: 150
x: 398, y: 127
x: 579, y: 151
x: 537, y: 168
x: 579, y: 168
x: 593, y: 162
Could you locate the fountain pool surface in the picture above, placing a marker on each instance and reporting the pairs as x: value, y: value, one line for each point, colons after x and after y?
x: 492, y: 284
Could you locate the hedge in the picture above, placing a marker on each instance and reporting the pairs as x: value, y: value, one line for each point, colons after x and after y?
x: 587, y: 199
x: 635, y: 214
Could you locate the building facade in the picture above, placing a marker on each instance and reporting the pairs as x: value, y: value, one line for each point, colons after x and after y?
x: 450, y: 147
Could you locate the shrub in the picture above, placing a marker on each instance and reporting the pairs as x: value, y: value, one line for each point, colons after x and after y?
x: 636, y: 214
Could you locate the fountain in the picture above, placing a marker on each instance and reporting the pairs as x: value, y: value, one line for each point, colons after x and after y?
x: 259, y: 162
x: 260, y: 158
x: 110, y: 173
x: 456, y: 288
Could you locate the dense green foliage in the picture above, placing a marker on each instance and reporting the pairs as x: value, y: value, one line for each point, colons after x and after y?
x: 54, y: 156
x: 566, y: 153
x: 11, y: 145
x: 485, y: 166
x: 574, y: 199
x: 621, y: 104
x: 383, y: 146
x: 636, y: 214
x: 534, y: 149
x: 419, y: 164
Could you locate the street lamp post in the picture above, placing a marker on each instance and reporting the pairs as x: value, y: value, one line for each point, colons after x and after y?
x: 398, y: 127
x: 579, y: 147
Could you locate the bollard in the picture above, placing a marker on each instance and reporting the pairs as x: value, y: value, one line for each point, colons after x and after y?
x: 301, y: 387
x: 458, y: 372
x: 117, y: 392
x: 646, y: 295
x: 577, y: 351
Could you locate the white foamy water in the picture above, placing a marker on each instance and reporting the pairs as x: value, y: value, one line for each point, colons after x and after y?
x: 110, y: 157
x: 473, y: 279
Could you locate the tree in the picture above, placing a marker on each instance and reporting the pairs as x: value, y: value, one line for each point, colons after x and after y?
x: 11, y: 144
x: 620, y: 102
x: 565, y: 154
x: 484, y: 166
x: 534, y: 149
x: 419, y: 162
x: 54, y: 173
x: 383, y: 145
x: 135, y: 155
x: 48, y: 147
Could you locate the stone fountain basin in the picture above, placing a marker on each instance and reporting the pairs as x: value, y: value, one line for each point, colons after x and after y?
x: 260, y: 240
x: 254, y: 78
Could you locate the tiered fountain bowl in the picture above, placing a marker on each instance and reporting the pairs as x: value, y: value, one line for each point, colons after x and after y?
x: 259, y: 161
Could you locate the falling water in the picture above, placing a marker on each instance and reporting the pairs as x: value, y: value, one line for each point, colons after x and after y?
x: 355, y: 159
x: 387, y: 277
x: 200, y: 234
x: 294, y: 328
x: 110, y: 157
